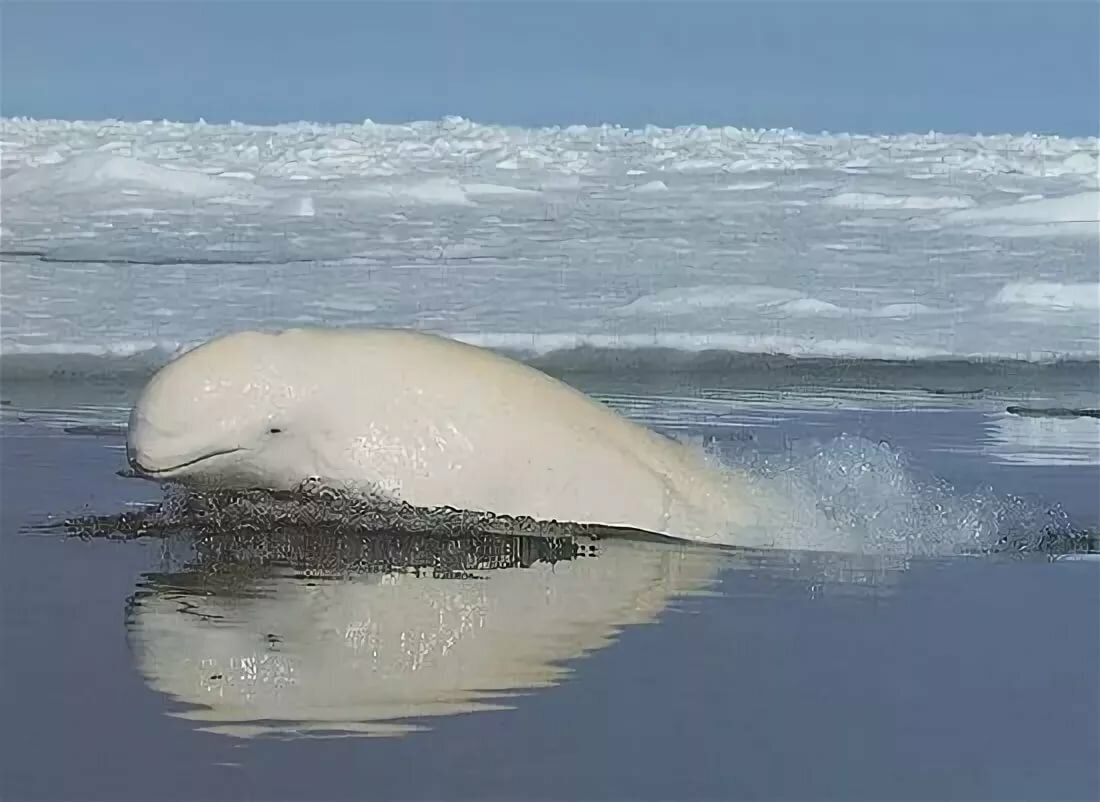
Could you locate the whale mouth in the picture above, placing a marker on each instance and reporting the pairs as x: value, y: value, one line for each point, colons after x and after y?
x: 154, y: 473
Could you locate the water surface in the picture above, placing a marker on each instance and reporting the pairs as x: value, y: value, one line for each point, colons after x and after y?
x: 138, y: 669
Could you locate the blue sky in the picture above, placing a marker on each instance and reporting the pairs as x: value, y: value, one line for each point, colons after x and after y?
x: 865, y: 66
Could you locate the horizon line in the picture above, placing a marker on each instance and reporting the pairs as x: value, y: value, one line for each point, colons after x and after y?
x: 458, y: 118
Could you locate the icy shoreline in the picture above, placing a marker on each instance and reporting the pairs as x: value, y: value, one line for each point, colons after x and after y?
x: 119, y: 238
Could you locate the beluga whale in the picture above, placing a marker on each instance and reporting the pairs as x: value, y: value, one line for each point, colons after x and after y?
x: 427, y: 421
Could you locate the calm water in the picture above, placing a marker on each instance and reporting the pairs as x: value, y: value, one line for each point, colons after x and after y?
x: 688, y: 674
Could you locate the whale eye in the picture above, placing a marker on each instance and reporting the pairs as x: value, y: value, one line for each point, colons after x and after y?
x: 274, y: 430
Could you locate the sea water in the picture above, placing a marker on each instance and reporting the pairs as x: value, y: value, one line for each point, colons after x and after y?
x: 289, y: 662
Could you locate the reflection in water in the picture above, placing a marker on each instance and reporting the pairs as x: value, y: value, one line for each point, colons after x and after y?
x: 1035, y: 440
x: 297, y: 634
x: 320, y: 613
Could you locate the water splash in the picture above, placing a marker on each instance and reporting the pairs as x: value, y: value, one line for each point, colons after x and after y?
x: 850, y: 494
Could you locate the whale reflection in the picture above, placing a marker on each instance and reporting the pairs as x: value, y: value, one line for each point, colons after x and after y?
x: 365, y: 635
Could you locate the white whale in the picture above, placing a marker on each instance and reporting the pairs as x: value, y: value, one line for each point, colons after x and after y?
x: 429, y: 421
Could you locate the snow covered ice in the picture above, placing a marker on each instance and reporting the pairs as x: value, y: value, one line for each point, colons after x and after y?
x: 143, y: 238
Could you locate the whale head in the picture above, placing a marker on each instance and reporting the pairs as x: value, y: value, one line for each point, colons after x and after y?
x: 226, y: 414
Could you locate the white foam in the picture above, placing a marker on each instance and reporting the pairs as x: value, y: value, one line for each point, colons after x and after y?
x: 651, y: 186
x: 853, y: 495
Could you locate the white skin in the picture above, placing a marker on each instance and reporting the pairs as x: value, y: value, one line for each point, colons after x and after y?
x: 425, y: 420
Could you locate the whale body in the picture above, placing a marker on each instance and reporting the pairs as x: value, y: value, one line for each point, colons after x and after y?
x: 422, y: 419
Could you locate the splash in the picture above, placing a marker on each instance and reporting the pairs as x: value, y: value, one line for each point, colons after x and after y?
x: 857, y: 496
